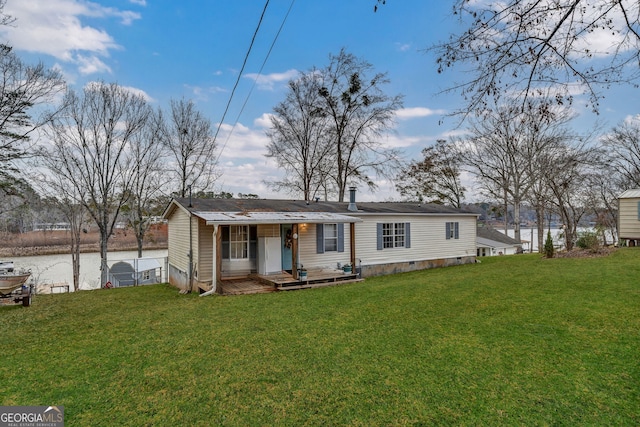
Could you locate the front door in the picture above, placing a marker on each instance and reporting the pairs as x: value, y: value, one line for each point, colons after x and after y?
x: 287, y: 241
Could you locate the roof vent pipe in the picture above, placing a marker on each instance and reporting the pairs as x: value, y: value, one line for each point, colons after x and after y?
x: 352, y: 200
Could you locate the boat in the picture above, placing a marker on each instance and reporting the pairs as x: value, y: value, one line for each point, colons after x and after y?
x: 12, y: 280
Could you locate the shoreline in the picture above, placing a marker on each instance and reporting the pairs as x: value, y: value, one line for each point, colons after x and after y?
x: 58, y: 242
x: 8, y: 252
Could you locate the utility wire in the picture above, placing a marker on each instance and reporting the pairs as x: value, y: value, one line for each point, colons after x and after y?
x: 244, y: 63
x: 257, y: 77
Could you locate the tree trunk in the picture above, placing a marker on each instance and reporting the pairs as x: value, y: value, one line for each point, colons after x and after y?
x: 540, y: 226
x: 104, y: 276
x: 516, y: 220
x: 139, y: 239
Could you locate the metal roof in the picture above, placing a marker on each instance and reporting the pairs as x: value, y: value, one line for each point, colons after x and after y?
x: 229, y: 218
x: 630, y: 194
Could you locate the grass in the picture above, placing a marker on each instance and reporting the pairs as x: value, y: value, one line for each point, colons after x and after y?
x: 517, y: 340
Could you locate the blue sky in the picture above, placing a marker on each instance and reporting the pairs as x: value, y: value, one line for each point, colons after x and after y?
x: 195, y: 49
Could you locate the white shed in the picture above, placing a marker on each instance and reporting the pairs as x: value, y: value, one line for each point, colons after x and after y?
x: 629, y: 217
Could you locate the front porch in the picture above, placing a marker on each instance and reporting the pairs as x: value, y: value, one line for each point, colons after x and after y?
x: 262, y: 283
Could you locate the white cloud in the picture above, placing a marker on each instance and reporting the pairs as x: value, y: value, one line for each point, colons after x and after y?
x: 91, y: 65
x: 139, y: 2
x: 403, y: 47
x: 241, y: 143
x: 54, y: 27
x: 131, y: 89
x: 412, y: 113
x: 264, y: 121
x: 202, y: 93
x: 632, y: 119
x: 268, y: 81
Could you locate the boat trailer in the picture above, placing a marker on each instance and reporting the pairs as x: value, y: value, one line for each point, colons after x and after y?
x: 13, y: 285
x: 17, y: 296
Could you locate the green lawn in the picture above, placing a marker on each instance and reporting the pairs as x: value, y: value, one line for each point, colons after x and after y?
x: 516, y: 340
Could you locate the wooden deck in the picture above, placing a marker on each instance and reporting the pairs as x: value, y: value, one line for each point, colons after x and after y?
x: 284, y: 281
x: 245, y: 286
x: 315, y: 278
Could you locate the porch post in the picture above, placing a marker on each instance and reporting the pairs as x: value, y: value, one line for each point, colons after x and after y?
x: 352, y: 238
x: 294, y: 251
x: 214, y: 269
x: 217, y: 257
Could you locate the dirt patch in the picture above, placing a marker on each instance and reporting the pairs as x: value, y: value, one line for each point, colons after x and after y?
x: 58, y: 241
x: 586, y: 253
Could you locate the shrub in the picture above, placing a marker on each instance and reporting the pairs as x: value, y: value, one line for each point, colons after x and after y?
x: 588, y: 240
x: 548, y: 246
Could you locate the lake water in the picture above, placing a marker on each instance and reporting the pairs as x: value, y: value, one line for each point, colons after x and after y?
x: 526, y: 233
x: 56, y: 269
x: 556, y: 235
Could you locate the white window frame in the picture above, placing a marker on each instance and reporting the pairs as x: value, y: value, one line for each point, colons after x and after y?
x: 238, y: 242
x: 331, y: 237
x: 393, y: 235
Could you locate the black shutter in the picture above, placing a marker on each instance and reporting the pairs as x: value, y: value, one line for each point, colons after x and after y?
x: 320, y: 238
x: 407, y: 234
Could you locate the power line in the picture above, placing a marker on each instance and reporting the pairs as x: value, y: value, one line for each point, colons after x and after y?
x: 255, y: 80
x: 244, y: 63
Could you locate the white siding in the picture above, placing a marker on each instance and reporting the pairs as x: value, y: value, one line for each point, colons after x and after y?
x: 178, y: 239
x: 628, y: 217
x: 308, y: 252
x: 428, y: 239
x: 203, y: 252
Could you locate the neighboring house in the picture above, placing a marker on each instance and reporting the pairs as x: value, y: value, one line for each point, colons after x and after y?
x: 492, y: 242
x: 211, y: 240
x: 629, y: 217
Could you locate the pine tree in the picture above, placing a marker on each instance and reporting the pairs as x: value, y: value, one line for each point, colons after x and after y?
x: 548, y: 246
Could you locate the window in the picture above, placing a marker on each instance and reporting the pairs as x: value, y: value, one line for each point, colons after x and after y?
x: 331, y: 237
x: 452, y: 230
x: 238, y: 242
x: 393, y: 235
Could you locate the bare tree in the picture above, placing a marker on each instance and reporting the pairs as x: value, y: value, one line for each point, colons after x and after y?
x: 435, y: 177
x: 359, y: 113
x: 550, y: 48
x: 298, y: 139
x: 188, y: 137
x: 148, y: 176
x: 603, y: 200
x: 22, y: 88
x: 505, y: 146
x: 65, y: 199
x: 566, y: 178
x: 623, y: 147
x: 91, y: 144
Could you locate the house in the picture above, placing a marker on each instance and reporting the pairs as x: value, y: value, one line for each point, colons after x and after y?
x: 491, y: 242
x: 629, y: 217
x: 211, y: 241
